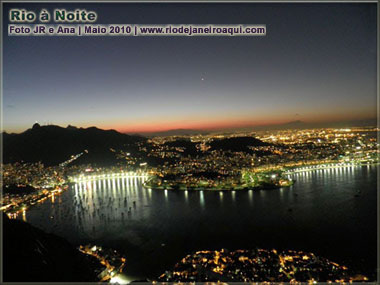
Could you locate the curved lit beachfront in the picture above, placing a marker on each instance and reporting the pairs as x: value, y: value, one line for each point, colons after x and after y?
x: 325, y: 166
x: 107, y: 176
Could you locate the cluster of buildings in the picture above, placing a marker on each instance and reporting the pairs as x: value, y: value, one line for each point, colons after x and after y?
x: 26, y: 184
x: 282, y: 150
x: 112, y: 261
x: 323, y: 145
x: 258, y: 265
x: 15, y: 204
x: 34, y: 174
x: 287, y: 148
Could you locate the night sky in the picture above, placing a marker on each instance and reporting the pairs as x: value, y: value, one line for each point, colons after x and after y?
x: 317, y: 63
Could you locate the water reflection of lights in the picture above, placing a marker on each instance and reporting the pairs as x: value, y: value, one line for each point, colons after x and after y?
x: 341, y: 172
x: 186, y: 195
x: 202, y: 199
x: 250, y: 195
x: 114, y: 184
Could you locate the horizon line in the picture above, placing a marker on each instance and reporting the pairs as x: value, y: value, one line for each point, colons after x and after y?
x: 302, y: 124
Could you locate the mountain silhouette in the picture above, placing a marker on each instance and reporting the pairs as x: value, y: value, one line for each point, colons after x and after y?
x: 53, y: 145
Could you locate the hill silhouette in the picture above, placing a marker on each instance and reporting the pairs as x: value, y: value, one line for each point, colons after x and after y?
x: 53, y: 145
x: 236, y: 144
x: 31, y: 255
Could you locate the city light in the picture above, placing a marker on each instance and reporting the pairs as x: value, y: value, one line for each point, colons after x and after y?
x: 118, y: 279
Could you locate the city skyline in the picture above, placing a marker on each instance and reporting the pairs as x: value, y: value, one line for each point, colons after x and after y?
x: 316, y: 64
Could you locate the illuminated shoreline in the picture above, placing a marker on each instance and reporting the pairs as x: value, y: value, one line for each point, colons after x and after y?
x: 85, y: 178
x: 13, y: 210
x: 328, y: 166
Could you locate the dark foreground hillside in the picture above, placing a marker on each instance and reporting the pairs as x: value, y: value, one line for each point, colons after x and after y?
x: 31, y: 255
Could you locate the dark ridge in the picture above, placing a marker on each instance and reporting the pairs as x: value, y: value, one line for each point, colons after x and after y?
x: 53, y: 145
x: 31, y: 255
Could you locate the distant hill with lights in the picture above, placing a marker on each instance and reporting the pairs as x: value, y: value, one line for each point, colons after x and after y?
x: 295, y: 124
x: 53, y: 145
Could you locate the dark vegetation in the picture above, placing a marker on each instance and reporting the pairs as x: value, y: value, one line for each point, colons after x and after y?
x: 31, y: 255
x: 18, y: 189
x: 237, y: 144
